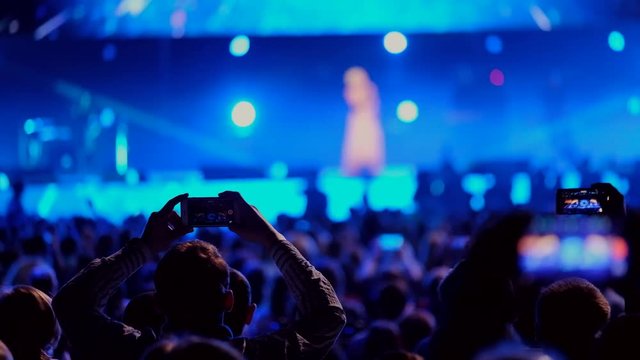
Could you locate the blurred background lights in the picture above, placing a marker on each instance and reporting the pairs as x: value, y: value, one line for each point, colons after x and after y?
x: 4, y: 182
x: 496, y: 77
x: 243, y: 114
x: 493, y: 44
x: 395, y: 42
x: 407, y: 111
x: 107, y: 117
x: 616, y: 41
x: 278, y: 170
x: 29, y: 126
x: 633, y: 105
x: 239, y: 45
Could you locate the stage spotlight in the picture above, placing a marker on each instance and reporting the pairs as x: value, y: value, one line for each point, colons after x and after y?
x: 243, y: 114
x: 496, y: 77
x: 395, y: 42
x: 407, y: 111
x: 239, y: 45
x: 616, y: 41
x: 493, y: 44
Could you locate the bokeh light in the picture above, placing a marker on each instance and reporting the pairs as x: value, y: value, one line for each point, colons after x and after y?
x: 616, y: 41
x: 407, y: 111
x: 496, y: 77
x: 493, y: 44
x: 395, y: 42
x: 239, y: 45
x: 243, y: 114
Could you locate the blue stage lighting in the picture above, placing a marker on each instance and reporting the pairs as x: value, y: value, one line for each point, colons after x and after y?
x: 521, y: 189
x: 243, y: 114
x: 30, y: 126
x: 616, y: 41
x: 239, y: 45
x: 407, y: 111
x: 107, y: 117
x: 122, y: 150
x: 633, y: 105
x: 395, y: 42
x: 493, y: 44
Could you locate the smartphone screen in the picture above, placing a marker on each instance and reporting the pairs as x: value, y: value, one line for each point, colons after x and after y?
x: 584, y: 247
x: 207, y: 211
x: 578, y: 201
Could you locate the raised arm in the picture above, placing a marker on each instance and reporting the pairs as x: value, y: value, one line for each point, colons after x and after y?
x: 79, y: 304
x: 321, y: 316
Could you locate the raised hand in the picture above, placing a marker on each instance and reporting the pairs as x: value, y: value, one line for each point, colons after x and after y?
x: 165, y: 226
x: 250, y: 224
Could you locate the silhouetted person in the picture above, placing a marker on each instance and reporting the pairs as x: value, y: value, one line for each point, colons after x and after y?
x: 243, y: 308
x: 569, y: 314
x: 192, y: 289
x: 28, y: 325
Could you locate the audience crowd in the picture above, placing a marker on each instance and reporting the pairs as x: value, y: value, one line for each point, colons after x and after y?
x: 434, y: 284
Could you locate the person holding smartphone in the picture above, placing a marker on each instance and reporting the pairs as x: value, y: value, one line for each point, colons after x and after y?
x: 192, y: 287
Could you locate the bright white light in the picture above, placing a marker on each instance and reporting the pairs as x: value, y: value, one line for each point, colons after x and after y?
x: 407, y: 111
x: 239, y: 45
x: 243, y: 114
x: 541, y: 19
x: 395, y: 42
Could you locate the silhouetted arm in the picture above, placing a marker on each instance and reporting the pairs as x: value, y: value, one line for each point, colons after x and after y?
x: 79, y: 304
x: 321, y: 317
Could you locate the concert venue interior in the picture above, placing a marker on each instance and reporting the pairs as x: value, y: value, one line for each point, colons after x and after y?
x: 135, y: 98
x: 380, y: 138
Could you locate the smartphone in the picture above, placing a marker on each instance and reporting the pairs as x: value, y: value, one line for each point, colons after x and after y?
x: 390, y: 241
x: 588, y: 247
x: 207, y: 212
x: 587, y: 201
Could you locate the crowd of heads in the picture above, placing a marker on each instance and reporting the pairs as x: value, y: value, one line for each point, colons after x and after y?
x: 444, y: 293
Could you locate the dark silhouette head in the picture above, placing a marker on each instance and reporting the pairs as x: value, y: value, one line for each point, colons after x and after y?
x: 415, y: 327
x: 28, y: 325
x: 243, y: 308
x: 569, y: 314
x: 192, y: 287
x: 382, y: 336
x: 390, y: 300
x: 192, y: 348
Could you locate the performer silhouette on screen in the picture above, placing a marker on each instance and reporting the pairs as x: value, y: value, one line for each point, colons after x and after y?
x: 363, y: 151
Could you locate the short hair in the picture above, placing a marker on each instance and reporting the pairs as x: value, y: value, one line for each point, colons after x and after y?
x: 28, y: 325
x: 570, y: 310
x: 192, y: 348
x: 235, y: 319
x: 190, y: 277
